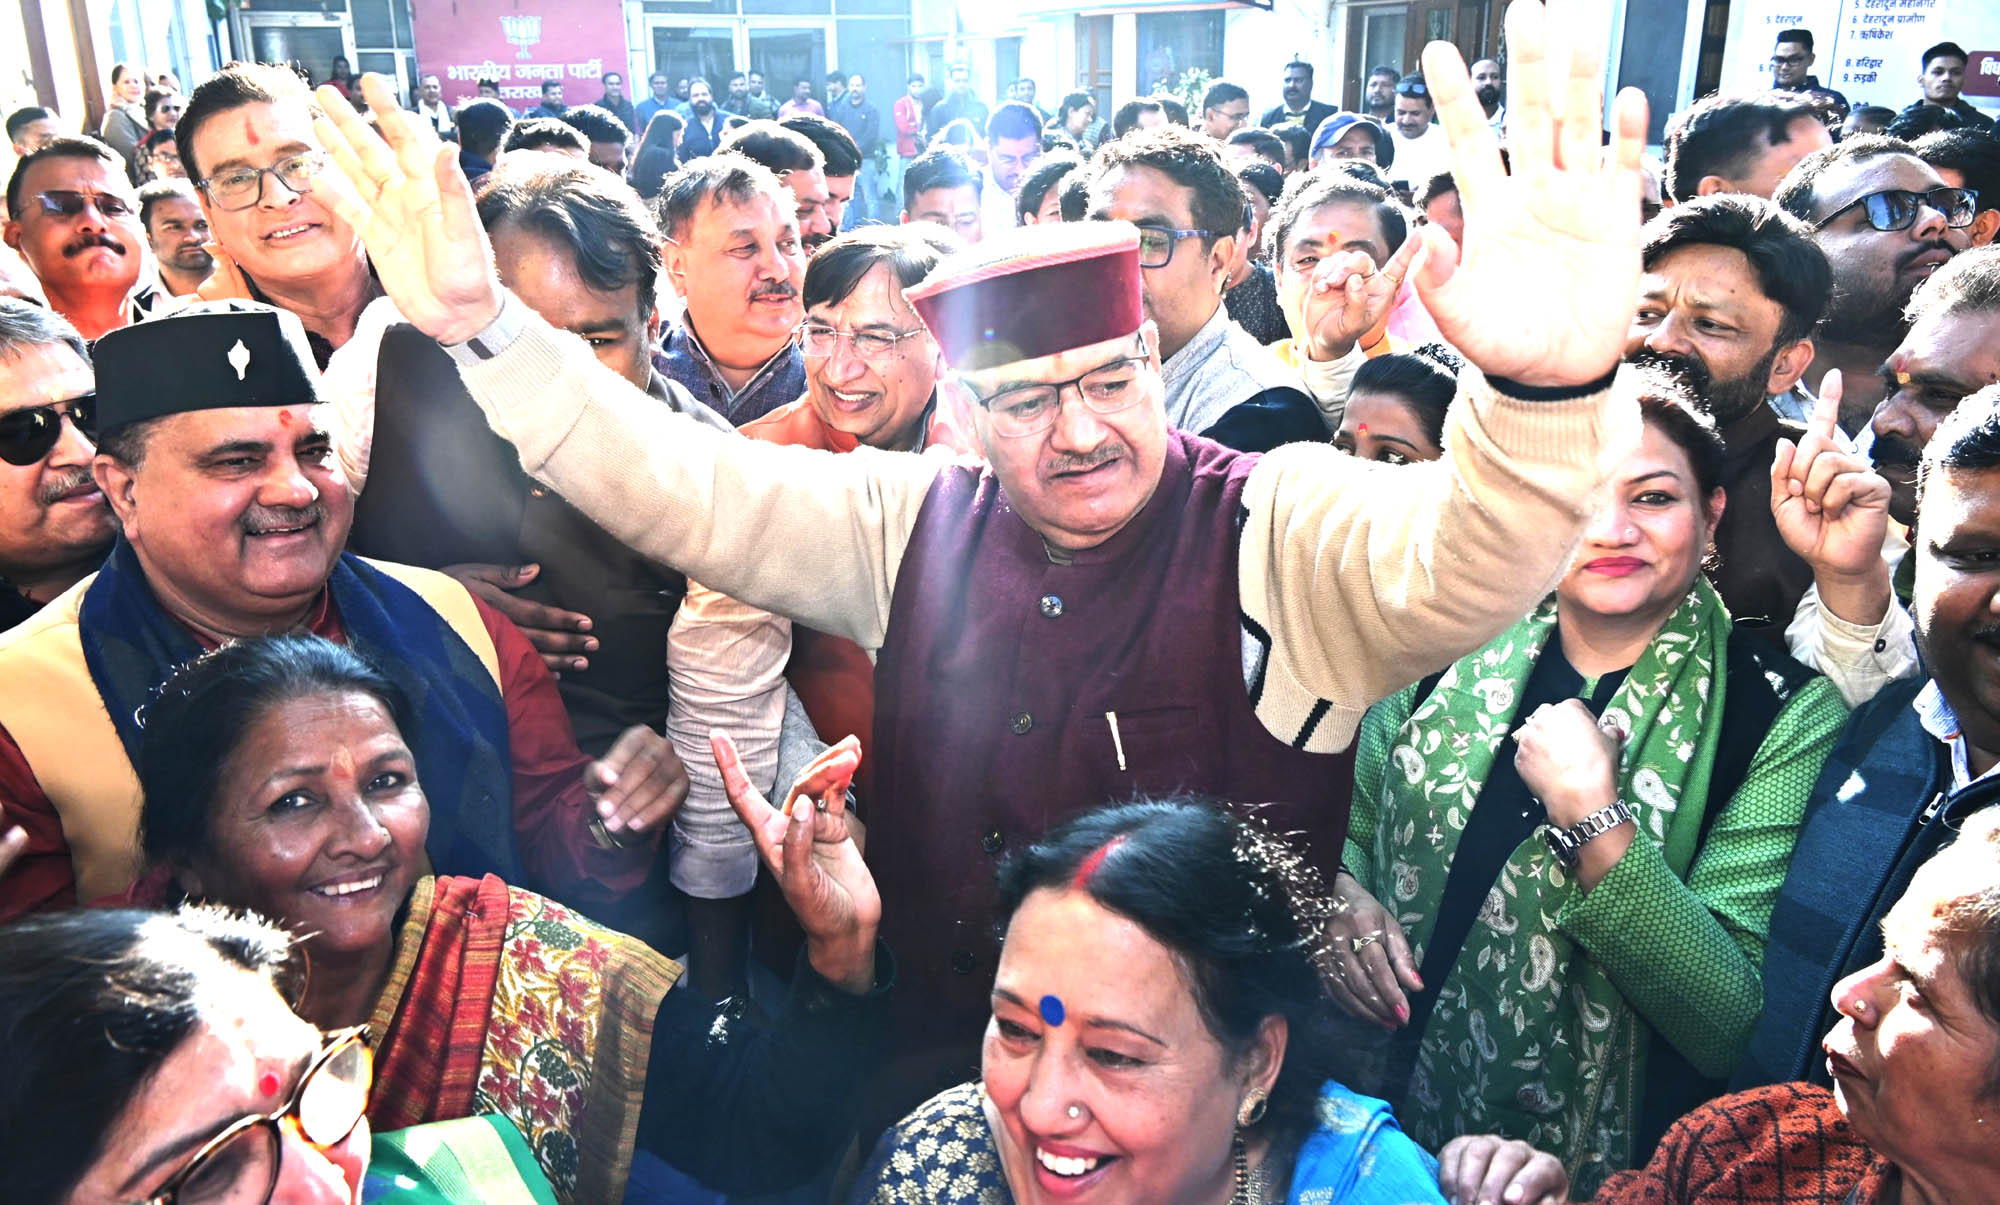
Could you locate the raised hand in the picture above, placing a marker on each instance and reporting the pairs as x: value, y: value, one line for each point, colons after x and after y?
x: 1373, y: 968
x: 1347, y: 297
x: 402, y: 190
x: 810, y: 850
x: 1832, y: 509
x: 1541, y: 291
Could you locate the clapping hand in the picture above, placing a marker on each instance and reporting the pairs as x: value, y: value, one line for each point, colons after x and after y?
x: 810, y: 850
x: 1832, y: 509
x: 1541, y: 291
x: 401, y: 189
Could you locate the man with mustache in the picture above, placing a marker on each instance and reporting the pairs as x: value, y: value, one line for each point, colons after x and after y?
x: 734, y: 255
x: 1487, y: 86
x: 233, y: 514
x: 1878, y: 213
x: 1732, y: 291
x: 54, y: 525
x: 1112, y: 606
x: 178, y: 232
x: 74, y: 220
x: 1914, y: 760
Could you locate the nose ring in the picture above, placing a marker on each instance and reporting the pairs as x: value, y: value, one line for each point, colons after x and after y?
x: 1075, y: 1111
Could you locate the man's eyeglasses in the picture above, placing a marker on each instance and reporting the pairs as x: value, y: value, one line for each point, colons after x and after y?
x: 69, y: 203
x: 1032, y: 409
x: 1787, y: 60
x: 240, y: 1165
x: 242, y: 187
x: 1899, y: 208
x: 1157, y: 243
x: 27, y: 435
x: 820, y: 342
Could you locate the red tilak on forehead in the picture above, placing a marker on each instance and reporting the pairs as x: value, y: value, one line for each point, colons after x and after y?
x: 267, y: 1084
x: 1088, y: 870
x: 250, y: 130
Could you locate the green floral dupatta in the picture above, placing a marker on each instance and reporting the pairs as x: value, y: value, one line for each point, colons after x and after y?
x: 1529, y: 1037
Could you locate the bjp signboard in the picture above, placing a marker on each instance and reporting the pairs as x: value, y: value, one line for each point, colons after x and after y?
x: 521, y: 45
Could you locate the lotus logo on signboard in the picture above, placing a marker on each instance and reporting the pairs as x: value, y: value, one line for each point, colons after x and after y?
x: 522, y: 32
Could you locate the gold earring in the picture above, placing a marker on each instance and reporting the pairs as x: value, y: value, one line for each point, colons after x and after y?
x: 1254, y: 1107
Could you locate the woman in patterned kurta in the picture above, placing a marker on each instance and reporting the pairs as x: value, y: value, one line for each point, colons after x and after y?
x: 1582, y: 1008
x: 277, y: 779
x: 1158, y: 1035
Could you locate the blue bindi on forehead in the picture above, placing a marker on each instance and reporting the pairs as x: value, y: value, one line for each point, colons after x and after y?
x: 1052, y: 1010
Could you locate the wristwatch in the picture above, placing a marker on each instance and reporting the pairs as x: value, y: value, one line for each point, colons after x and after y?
x: 1567, y: 843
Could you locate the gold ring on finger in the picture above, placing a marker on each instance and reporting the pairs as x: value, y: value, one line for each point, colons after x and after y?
x: 1362, y: 942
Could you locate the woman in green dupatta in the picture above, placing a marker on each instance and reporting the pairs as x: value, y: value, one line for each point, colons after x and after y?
x: 1581, y: 998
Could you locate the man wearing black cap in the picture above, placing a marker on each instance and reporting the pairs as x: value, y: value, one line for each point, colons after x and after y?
x: 1112, y: 606
x: 234, y: 513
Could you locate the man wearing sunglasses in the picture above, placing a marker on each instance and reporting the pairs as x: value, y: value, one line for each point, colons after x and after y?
x: 1422, y: 150
x: 54, y: 525
x: 1881, y: 216
x: 1174, y: 185
x: 1109, y: 605
x: 75, y: 221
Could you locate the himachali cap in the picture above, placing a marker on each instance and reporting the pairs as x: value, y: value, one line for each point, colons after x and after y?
x: 1033, y: 291
x: 209, y: 356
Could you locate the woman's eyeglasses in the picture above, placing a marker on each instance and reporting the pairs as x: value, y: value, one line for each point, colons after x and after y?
x: 27, y: 435
x: 240, y: 1165
x: 1898, y: 208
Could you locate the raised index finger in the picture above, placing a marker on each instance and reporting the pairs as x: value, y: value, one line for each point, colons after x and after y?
x: 1826, y: 411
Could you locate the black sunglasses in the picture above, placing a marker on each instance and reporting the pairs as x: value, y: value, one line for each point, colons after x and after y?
x: 1412, y: 87
x: 27, y: 435
x: 1898, y: 208
x: 69, y: 203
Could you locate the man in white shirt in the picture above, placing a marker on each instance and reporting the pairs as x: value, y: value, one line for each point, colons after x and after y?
x: 431, y: 106
x: 1421, y: 148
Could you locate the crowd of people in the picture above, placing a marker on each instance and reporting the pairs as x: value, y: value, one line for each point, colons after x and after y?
x: 682, y: 649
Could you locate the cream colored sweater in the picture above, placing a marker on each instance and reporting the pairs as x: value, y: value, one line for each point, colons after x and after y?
x: 1366, y: 577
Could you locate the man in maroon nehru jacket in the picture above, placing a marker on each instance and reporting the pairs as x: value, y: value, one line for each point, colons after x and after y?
x: 1106, y: 606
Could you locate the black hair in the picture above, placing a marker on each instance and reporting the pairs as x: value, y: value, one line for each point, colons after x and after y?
x: 660, y: 129
x: 66, y: 146
x: 1242, y: 913
x: 1126, y: 119
x: 1941, y: 50
x: 1973, y: 155
x: 1424, y: 380
x: 915, y: 79
x: 1222, y: 92
x: 1191, y: 160
x: 233, y: 87
x: 540, y: 134
x: 774, y: 146
x: 153, y: 98
x: 120, y: 70
x: 1071, y: 102
x: 1014, y: 119
x: 910, y: 253
x: 1967, y: 283
x: 551, y: 83
x: 1263, y: 143
x: 1881, y: 115
x: 486, y: 81
x: 1047, y: 174
x: 155, y: 139
x: 21, y: 119
x: 1302, y: 63
x: 940, y: 168
x: 599, y: 221
x: 596, y: 124
x: 1054, y: 141
x: 199, y: 717
x: 1923, y: 120
x: 1385, y: 69
x: 1076, y: 197
x: 25, y: 325
x: 163, y: 190
x: 1796, y: 193
x: 1359, y: 169
x: 1791, y: 269
x: 92, y: 1002
x: 1723, y: 135
x: 1440, y: 185
x: 1316, y: 189
x: 1297, y: 140
x: 1176, y: 111
x: 1264, y: 178
x: 715, y: 178
x: 835, y: 145
x: 482, y: 126
x: 1668, y: 405
x: 1802, y: 36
